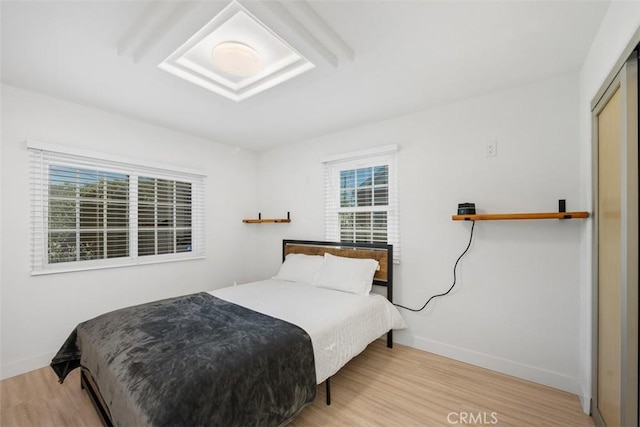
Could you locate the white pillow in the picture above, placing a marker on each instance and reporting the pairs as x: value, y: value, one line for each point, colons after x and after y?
x: 299, y: 268
x: 354, y: 275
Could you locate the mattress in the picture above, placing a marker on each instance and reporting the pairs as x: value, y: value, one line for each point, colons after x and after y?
x: 340, y: 324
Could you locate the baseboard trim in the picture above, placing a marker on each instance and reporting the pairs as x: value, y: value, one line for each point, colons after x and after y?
x: 25, y: 365
x: 498, y: 364
x: 585, y: 401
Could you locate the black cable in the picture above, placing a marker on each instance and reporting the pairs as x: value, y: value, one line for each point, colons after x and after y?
x: 454, y: 275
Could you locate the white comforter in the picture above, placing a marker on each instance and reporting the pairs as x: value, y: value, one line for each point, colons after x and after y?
x: 340, y: 324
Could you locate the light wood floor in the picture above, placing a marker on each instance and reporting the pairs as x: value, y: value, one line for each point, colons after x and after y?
x: 381, y: 387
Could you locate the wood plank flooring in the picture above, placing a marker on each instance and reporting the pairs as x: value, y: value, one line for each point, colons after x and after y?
x: 381, y: 387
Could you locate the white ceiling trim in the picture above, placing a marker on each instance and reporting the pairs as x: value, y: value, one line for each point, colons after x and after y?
x: 146, y: 32
x: 192, y: 61
x: 292, y: 22
x: 310, y: 20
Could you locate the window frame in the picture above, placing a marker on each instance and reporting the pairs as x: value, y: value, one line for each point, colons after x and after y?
x: 371, y: 158
x: 43, y: 155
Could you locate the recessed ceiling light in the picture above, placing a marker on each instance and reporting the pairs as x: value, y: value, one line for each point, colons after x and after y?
x: 237, y: 59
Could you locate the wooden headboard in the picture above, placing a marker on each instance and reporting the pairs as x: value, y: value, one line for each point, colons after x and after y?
x: 382, y: 253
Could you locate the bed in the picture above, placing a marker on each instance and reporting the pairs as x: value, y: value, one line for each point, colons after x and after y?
x: 242, y: 355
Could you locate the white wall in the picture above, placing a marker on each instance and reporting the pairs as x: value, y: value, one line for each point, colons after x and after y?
x: 620, y: 23
x: 515, y: 307
x: 38, y: 313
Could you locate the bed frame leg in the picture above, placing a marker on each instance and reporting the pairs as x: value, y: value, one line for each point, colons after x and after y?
x: 390, y: 339
x: 328, y: 385
x: 95, y: 399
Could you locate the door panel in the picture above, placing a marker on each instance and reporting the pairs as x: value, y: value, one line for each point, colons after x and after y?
x: 615, y: 302
x: 609, y: 261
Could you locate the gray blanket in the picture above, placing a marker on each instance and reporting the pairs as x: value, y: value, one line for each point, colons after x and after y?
x: 193, y: 361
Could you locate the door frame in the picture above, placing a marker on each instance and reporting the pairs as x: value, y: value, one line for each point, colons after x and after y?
x: 626, y: 80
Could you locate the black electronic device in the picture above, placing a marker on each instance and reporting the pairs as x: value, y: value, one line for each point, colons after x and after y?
x: 466, y: 208
x: 562, y: 205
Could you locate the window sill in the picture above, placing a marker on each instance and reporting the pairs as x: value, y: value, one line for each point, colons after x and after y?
x: 70, y: 269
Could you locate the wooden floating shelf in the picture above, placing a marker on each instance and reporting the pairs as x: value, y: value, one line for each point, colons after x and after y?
x: 258, y: 221
x: 508, y: 216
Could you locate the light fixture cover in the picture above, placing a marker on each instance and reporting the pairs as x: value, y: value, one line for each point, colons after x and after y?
x: 237, y: 59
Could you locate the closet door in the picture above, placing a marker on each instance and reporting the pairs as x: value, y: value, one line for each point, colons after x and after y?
x: 615, y: 119
x: 609, y: 262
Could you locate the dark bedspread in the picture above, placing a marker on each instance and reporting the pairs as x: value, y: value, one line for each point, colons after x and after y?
x: 192, y: 361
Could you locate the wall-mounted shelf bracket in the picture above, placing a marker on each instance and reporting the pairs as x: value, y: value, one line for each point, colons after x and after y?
x: 260, y: 220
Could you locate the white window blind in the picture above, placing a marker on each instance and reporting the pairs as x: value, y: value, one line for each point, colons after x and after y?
x: 361, y: 198
x: 92, y: 211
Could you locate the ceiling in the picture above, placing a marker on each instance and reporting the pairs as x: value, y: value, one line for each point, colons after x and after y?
x: 373, y: 59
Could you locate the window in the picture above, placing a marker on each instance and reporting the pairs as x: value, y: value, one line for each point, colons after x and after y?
x: 88, y: 214
x: 361, y: 198
x: 90, y: 211
x: 164, y: 216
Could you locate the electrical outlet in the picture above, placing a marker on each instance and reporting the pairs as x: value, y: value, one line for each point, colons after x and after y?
x: 492, y: 149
